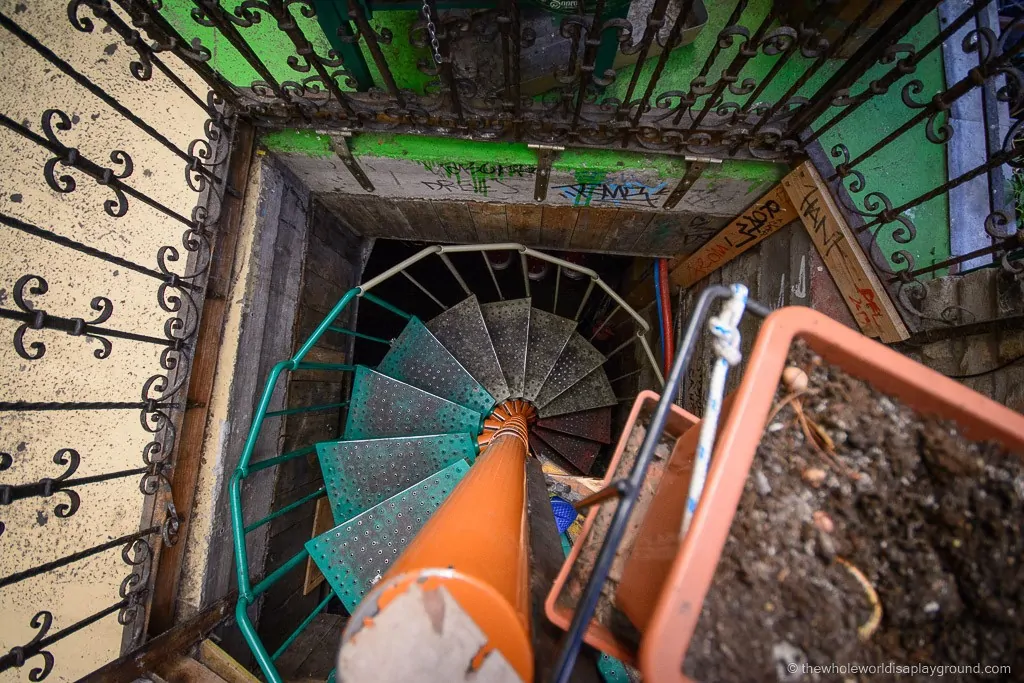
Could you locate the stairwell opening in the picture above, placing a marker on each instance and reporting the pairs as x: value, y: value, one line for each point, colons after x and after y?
x: 430, y: 287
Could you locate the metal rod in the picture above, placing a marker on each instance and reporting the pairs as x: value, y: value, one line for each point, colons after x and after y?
x: 583, y: 301
x: 526, y: 272
x: 558, y: 283
x: 397, y: 268
x: 319, y: 493
x: 306, y: 409
x: 386, y: 306
x: 284, y: 457
x: 494, y: 278
x: 358, y: 335
x: 424, y: 289
x: 302, y: 627
x: 616, y: 489
x: 604, y: 323
x: 652, y: 360
x: 631, y: 340
x: 628, y: 374
x: 369, y: 36
x: 673, y: 40
x: 455, y: 273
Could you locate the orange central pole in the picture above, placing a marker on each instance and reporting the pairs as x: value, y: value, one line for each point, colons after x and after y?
x: 476, y: 546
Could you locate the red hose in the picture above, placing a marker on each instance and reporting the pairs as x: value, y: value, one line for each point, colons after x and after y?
x: 666, y: 316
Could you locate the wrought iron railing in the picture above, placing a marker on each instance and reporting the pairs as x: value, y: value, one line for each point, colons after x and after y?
x: 251, y: 587
x: 109, y: 214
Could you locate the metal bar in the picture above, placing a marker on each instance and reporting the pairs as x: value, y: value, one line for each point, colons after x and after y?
x: 319, y: 493
x: 631, y: 340
x: 558, y: 282
x: 626, y: 307
x: 904, y: 18
x: 498, y: 246
x: 620, y: 377
x: 586, y: 295
x: 395, y: 269
x: 296, y: 560
x: 604, y: 323
x: 75, y: 557
x: 545, y: 157
x: 882, y: 85
x: 46, y: 487
x: 445, y: 67
x: 620, y: 519
x: 76, y: 327
x: 655, y: 20
x: 82, y: 80
x: 28, y: 228
x: 424, y: 290
x: 29, y: 406
x: 526, y: 272
x: 342, y: 38
x: 307, y: 409
x: 670, y: 44
x: 149, y: 19
x: 455, y: 274
x: 302, y: 627
x: 616, y: 489
x: 23, y: 653
x: 1007, y: 244
x: 339, y: 143
x: 287, y: 24
x: 652, y: 360
x: 369, y: 36
x: 358, y: 335
x: 385, y: 305
x: 724, y: 38
x: 284, y: 457
x: 589, y: 57
x: 694, y: 170
x: 223, y: 22
x: 494, y: 278
x: 349, y: 296
x: 592, y: 274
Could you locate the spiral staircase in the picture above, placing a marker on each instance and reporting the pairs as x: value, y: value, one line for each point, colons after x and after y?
x: 417, y: 422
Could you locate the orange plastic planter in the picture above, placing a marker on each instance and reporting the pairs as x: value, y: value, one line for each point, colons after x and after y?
x: 559, y: 607
x: 672, y: 624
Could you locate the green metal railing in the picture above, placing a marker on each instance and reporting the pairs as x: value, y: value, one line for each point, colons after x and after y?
x: 248, y: 593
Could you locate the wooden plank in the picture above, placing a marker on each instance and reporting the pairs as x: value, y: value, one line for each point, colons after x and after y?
x: 167, y: 645
x: 457, y: 222
x: 319, y: 635
x: 188, y: 459
x: 422, y: 218
x: 593, y: 227
x: 223, y: 664
x: 184, y: 669
x: 557, y: 225
x: 524, y: 223
x: 323, y: 522
x: 848, y: 264
x: 631, y: 229
x: 765, y: 217
x: 489, y: 219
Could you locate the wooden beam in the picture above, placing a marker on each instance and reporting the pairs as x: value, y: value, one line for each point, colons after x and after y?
x: 849, y: 266
x: 323, y: 521
x: 187, y: 460
x: 170, y: 644
x: 765, y: 217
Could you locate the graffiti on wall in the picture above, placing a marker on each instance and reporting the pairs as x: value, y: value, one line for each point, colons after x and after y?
x: 482, y: 178
x: 629, y: 193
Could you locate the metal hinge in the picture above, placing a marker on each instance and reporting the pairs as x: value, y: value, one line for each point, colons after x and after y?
x: 339, y: 143
x: 545, y: 156
x: 695, y: 167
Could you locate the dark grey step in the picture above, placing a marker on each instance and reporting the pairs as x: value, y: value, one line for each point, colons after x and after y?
x: 549, y: 333
x: 593, y: 391
x: 463, y: 332
x: 508, y: 323
x: 578, y: 359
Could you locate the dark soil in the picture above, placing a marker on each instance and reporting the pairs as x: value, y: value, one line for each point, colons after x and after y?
x: 932, y: 520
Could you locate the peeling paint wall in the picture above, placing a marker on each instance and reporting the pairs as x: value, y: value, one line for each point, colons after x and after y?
x: 69, y: 371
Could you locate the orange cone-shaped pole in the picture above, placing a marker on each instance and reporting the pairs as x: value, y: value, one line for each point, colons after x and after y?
x: 476, y: 547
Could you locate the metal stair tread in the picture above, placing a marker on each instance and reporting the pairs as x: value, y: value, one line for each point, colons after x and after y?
x: 361, y: 473
x: 508, y: 324
x: 580, y: 452
x: 382, y: 406
x: 576, y: 361
x: 354, y: 554
x: 593, y: 391
x: 462, y: 330
x: 548, y: 336
x: 595, y: 424
x: 418, y: 358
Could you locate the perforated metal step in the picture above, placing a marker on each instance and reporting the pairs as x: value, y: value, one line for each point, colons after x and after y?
x: 549, y: 333
x: 382, y: 406
x: 361, y: 474
x: 419, y: 359
x: 355, y: 554
x: 580, y: 452
x: 595, y: 425
x: 593, y: 391
x: 508, y: 323
x: 578, y: 359
x: 463, y: 332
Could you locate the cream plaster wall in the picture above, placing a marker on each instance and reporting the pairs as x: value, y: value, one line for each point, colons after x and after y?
x: 109, y: 440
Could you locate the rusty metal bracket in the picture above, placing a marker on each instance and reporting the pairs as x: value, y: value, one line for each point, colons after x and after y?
x: 339, y: 143
x: 695, y: 167
x: 545, y: 156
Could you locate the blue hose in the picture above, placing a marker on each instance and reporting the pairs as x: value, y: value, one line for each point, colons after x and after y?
x: 658, y: 304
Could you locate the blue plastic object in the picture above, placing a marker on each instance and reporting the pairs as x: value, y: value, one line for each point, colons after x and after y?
x: 565, y: 513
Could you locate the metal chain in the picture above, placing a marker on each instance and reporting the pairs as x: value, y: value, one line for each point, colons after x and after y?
x: 432, y: 30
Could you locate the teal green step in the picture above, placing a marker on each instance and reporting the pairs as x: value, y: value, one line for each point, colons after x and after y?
x: 361, y: 474
x: 381, y: 407
x: 419, y: 359
x: 354, y: 555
